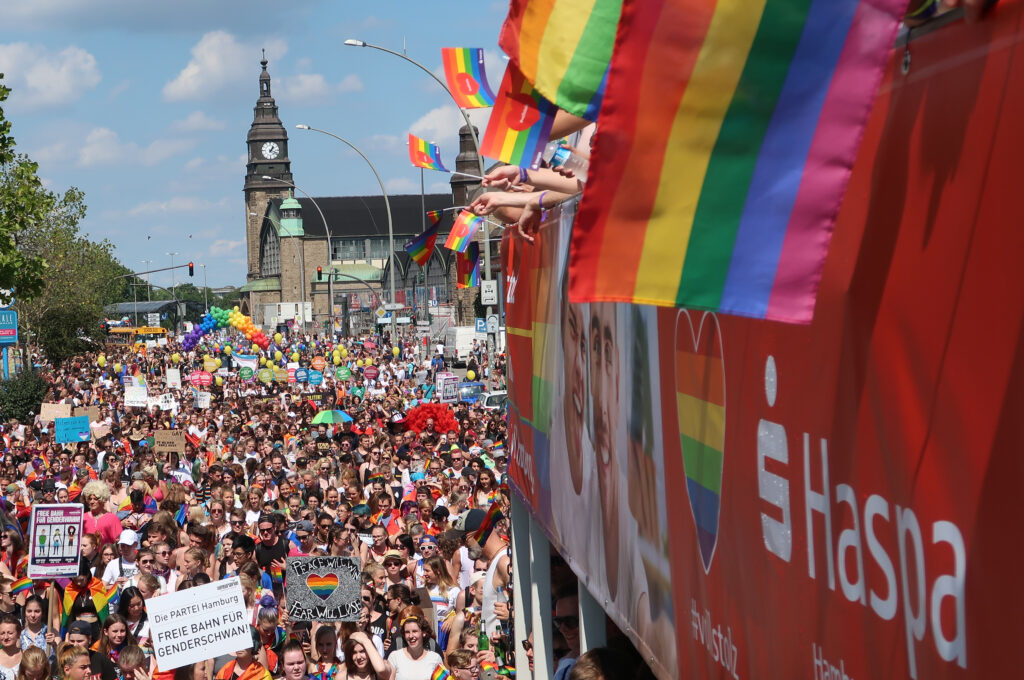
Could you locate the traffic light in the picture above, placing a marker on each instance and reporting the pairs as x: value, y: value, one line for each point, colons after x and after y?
x: 191, y: 269
x: 319, y: 273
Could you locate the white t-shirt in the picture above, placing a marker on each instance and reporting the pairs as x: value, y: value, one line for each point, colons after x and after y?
x: 420, y: 669
x: 115, y: 570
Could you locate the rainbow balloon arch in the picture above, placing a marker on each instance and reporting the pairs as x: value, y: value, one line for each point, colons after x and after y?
x: 225, y: 318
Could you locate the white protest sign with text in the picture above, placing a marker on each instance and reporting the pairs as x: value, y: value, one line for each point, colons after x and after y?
x: 136, y: 395
x: 199, y: 623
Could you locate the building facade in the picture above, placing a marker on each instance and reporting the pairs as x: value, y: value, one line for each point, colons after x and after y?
x: 300, y: 251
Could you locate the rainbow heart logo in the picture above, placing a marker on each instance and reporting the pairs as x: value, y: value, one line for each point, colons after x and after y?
x: 700, y: 405
x: 322, y: 586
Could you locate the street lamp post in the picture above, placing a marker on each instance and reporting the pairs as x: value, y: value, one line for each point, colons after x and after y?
x: 327, y: 229
x: 302, y: 262
x: 391, y: 226
x: 173, y: 282
x: 149, y: 289
x: 206, y: 301
x: 485, y: 233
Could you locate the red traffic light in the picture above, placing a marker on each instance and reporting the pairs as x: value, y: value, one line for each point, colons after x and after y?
x: 319, y: 273
x: 191, y: 269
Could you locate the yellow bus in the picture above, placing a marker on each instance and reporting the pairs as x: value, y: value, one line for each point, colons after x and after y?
x: 136, y: 336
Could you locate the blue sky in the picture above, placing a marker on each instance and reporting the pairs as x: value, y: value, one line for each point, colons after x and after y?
x: 145, y: 107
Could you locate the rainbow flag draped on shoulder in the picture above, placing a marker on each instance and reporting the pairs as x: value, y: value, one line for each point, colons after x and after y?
x: 748, y: 116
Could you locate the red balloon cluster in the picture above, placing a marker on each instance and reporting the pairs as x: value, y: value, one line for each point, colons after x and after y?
x: 441, y: 414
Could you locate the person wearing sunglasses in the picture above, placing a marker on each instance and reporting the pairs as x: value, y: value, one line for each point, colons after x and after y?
x: 567, y: 622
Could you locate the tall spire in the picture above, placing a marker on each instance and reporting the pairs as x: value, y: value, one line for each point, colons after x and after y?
x: 267, y: 140
x: 264, y: 78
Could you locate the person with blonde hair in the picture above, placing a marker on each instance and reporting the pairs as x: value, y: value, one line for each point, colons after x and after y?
x: 73, y: 662
x: 98, y: 519
x: 34, y: 665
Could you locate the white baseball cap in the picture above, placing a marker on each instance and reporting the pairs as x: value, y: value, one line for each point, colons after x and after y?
x: 128, y: 537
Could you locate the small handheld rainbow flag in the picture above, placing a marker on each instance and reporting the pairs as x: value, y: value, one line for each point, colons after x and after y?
x: 463, y: 231
x: 276, y: 574
x: 487, y: 666
x: 422, y: 246
x: 423, y: 154
x: 498, y: 446
x: 467, y: 79
x: 21, y: 585
x: 467, y: 267
x: 520, y: 124
x: 434, y: 216
x: 441, y: 673
x: 487, y: 525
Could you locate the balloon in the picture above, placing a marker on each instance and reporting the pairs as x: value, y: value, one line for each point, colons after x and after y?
x: 236, y: 308
x: 220, y: 381
x: 102, y: 361
x: 295, y: 356
x: 344, y: 353
x: 337, y: 360
x: 470, y: 375
x: 278, y: 355
x: 227, y: 350
x: 175, y: 357
x: 396, y: 351
x: 263, y: 361
x: 359, y: 363
x: 117, y: 368
x: 277, y: 338
x: 367, y: 361
x: 255, y: 348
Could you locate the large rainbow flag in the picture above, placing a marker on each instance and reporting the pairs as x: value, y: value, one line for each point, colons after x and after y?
x: 467, y: 267
x: 520, y: 124
x: 423, y: 154
x: 564, y: 48
x: 463, y: 231
x: 728, y: 132
x: 467, y: 79
x: 422, y: 246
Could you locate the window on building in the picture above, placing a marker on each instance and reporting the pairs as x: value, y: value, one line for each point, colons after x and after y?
x: 348, y: 249
x: 270, y: 251
x: 378, y: 249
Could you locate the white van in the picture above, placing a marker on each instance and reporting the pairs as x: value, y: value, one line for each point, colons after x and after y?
x: 458, y: 343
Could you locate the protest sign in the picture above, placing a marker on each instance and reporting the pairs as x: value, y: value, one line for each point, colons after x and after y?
x: 323, y: 588
x: 166, y: 402
x: 91, y: 412
x: 168, y: 441
x: 71, y: 430
x: 316, y: 377
x: 202, y: 400
x: 371, y: 372
x: 54, y: 540
x: 49, y: 412
x: 318, y: 363
x: 343, y: 372
x: 280, y: 375
x: 447, y: 387
x: 174, y: 378
x: 209, y: 365
x: 266, y: 375
x: 136, y: 395
x: 202, y: 622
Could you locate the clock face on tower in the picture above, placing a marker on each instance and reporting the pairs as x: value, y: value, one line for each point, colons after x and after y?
x: 270, y: 150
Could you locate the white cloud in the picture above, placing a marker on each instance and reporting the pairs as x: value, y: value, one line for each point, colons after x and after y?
x: 197, y: 121
x: 195, y: 163
x: 402, y: 185
x: 119, y: 89
x: 219, y: 61
x: 385, y: 143
x: 103, y: 146
x: 176, y: 205
x: 303, y: 87
x: 350, y: 83
x: 441, y: 126
x: 224, y: 247
x: 41, y: 78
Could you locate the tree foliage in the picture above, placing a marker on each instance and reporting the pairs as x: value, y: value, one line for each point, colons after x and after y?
x: 23, y: 204
x: 22, y: 395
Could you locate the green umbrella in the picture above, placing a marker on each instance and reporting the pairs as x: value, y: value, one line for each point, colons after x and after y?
x: 331, y: 418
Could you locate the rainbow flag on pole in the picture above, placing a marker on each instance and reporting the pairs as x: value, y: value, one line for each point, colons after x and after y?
x: 520, y: 124
x: 467, y: 266
x: 422, y: 246
x: 21, y: 585
x: 434, y: 216
x: 564, y: 48
x: 423, y: 154
x: 463, y: 231
x: 467, y: 79
x: 735, y: 129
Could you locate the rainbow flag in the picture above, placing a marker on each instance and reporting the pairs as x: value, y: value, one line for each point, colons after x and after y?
x: 564, y: 48
x: 276, y: 574
x: 441, y: 673
x: 520, y: 124
x: 422, y: 246
x: 21, y: 585
x: 487, y: 525
x: 463, y: 231
x: 700, y: 405
x: 101, y: 596
x: 720, y: 191
x: 374, y: 478
x: 434, y: 216
x: 467, y: 266
x: 498, y: 446
x: 181, y: 516
x: 423, y: 154
x: 467, y: 79
x: 488, y: 666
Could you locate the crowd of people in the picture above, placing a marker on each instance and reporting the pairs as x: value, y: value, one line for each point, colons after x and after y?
x: 413, y: 489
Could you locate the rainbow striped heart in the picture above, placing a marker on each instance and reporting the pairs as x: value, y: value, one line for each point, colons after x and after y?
x: 322, y: 586
x: 700, y: 403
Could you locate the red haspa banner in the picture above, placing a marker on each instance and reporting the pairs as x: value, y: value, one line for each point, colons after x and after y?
x: 842, y: 499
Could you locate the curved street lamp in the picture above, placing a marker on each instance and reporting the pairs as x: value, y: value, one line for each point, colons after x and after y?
x: 387, y: 206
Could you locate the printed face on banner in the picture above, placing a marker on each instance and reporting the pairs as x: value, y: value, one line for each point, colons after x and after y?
x: 574, y: 386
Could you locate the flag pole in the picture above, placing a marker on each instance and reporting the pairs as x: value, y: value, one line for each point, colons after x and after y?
x: 423, y: 211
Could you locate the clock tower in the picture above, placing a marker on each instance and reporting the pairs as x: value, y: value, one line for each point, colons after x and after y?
x: 267, y: 144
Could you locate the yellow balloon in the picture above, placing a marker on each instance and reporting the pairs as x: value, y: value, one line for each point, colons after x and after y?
x: 220, y: 381
x: 344, y: 353
x: 367, y: 361
x: 359, y: 363
x: 175, y: 357
x: 337, y: 360
x: 255, y: 349
x: 102, y: 361
x: 396, y: 351
x: 470, y: 375
x: 217, y: 361
x: 227, y: 350
x: 278, y: 355
x: 295, y: 356
x: 117, y: 368
x: 236, y: 308
x: 277, y: 338
x: 263, y: 361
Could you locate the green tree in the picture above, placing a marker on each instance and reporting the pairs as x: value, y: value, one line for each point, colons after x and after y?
x: 22, y: 395
x: 23, y: 204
